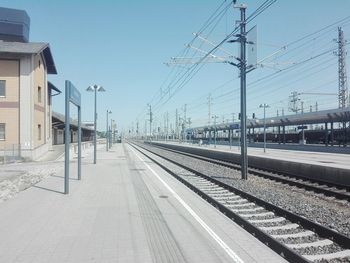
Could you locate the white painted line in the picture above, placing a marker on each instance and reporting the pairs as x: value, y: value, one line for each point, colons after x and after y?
x: 227, y: 249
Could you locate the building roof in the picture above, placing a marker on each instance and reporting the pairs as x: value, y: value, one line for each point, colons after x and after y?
x: 59, y: 122
x: 30, y: 48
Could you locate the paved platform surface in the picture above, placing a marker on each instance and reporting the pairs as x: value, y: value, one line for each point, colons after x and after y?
x: 53, y: 154
x: 125, y: 209
x: 318, y: 158
x: 57, y: 151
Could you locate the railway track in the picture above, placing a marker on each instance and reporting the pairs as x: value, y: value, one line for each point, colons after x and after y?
x: 295, y: 238
x: 328, y: 189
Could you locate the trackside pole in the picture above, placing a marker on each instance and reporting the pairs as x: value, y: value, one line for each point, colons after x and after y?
x: 66, y: 139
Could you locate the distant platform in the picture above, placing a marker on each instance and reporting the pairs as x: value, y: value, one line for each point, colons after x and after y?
x: 331, y: 167
x: 332, y: 159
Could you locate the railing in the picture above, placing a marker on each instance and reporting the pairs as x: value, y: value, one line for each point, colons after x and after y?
x: 84, y: 145
x: 10, y: 153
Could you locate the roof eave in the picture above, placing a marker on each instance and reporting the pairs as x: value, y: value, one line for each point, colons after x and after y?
x: 50, y: 63
x: 53, y: 87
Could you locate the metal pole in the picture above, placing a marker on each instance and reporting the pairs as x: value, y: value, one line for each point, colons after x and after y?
x: 107, y: 133
x: 79, y: 143
x: 110, y: 136
x: 209, y: 139
x: 177, y: 125
x: 264, y: 128
x: 215, y: 131
x: 150, y: 122
x: 326, y: 133
x: 239, y: 138
x: 244, y: 158
x: 209, y: 118
x: 184, y: 121
x: 332, y: 133
x: 95, y: 124
x: 233, y: 123
x: 230, y: 137
x: 66, y: 140
x: 167, y: 125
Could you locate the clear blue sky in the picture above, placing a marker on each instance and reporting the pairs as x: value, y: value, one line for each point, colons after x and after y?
x: 122, y: 46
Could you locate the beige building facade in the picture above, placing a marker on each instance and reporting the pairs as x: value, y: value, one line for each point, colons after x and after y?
x: 25, y: 98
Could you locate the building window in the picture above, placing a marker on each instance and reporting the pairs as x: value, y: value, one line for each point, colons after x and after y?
x: 39, y: 94
x: 39, y: 132
x: 2, y: 131
x: 2, y: 88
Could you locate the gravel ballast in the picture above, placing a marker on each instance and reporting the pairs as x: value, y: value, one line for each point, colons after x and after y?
x: 18, y: 177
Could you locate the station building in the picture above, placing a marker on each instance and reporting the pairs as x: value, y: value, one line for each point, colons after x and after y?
x: 25, y: 93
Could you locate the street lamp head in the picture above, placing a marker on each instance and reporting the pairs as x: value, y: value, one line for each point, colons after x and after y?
x: 109, y: 111
x: 90, y: 88
x: 264, y: 106
x: 95, y: 88
x: 101, y: 89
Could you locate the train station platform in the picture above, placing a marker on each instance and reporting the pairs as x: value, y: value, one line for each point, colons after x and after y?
x: 336, y: 160
x: 125, y: 209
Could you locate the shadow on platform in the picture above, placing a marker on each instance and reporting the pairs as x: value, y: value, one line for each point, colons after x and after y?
x: 70, y: 178
x: 47, y: 189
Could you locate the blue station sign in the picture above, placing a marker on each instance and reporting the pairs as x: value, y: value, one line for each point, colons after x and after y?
x: 74, y: 94
x: 302, y: 127
x: 234, y: 126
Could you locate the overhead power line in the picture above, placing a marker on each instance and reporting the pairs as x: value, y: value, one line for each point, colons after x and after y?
x: 196, y: 67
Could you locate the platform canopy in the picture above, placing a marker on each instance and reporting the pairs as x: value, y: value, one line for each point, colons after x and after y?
x: 318, y: 117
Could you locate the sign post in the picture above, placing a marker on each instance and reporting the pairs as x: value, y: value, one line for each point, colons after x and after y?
x: 72, y: 96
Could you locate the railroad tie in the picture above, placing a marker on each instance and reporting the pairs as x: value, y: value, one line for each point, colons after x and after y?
x: 284, y: 227
x: 257, y: 215
x: 294, y: 235
x: 241, y: 205
x: 238, y: 201
x: 270, y: 220
x: 319, y: 243
x: 249, y: 210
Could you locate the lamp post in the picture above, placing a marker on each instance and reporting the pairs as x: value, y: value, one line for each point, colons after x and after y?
x: 264, y: 106
x: 95, y: 88
x: 107, y: 131
x: 231, y: 137
x: 215, y: 117
x: 150, y: 121
x: 111, y: 134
